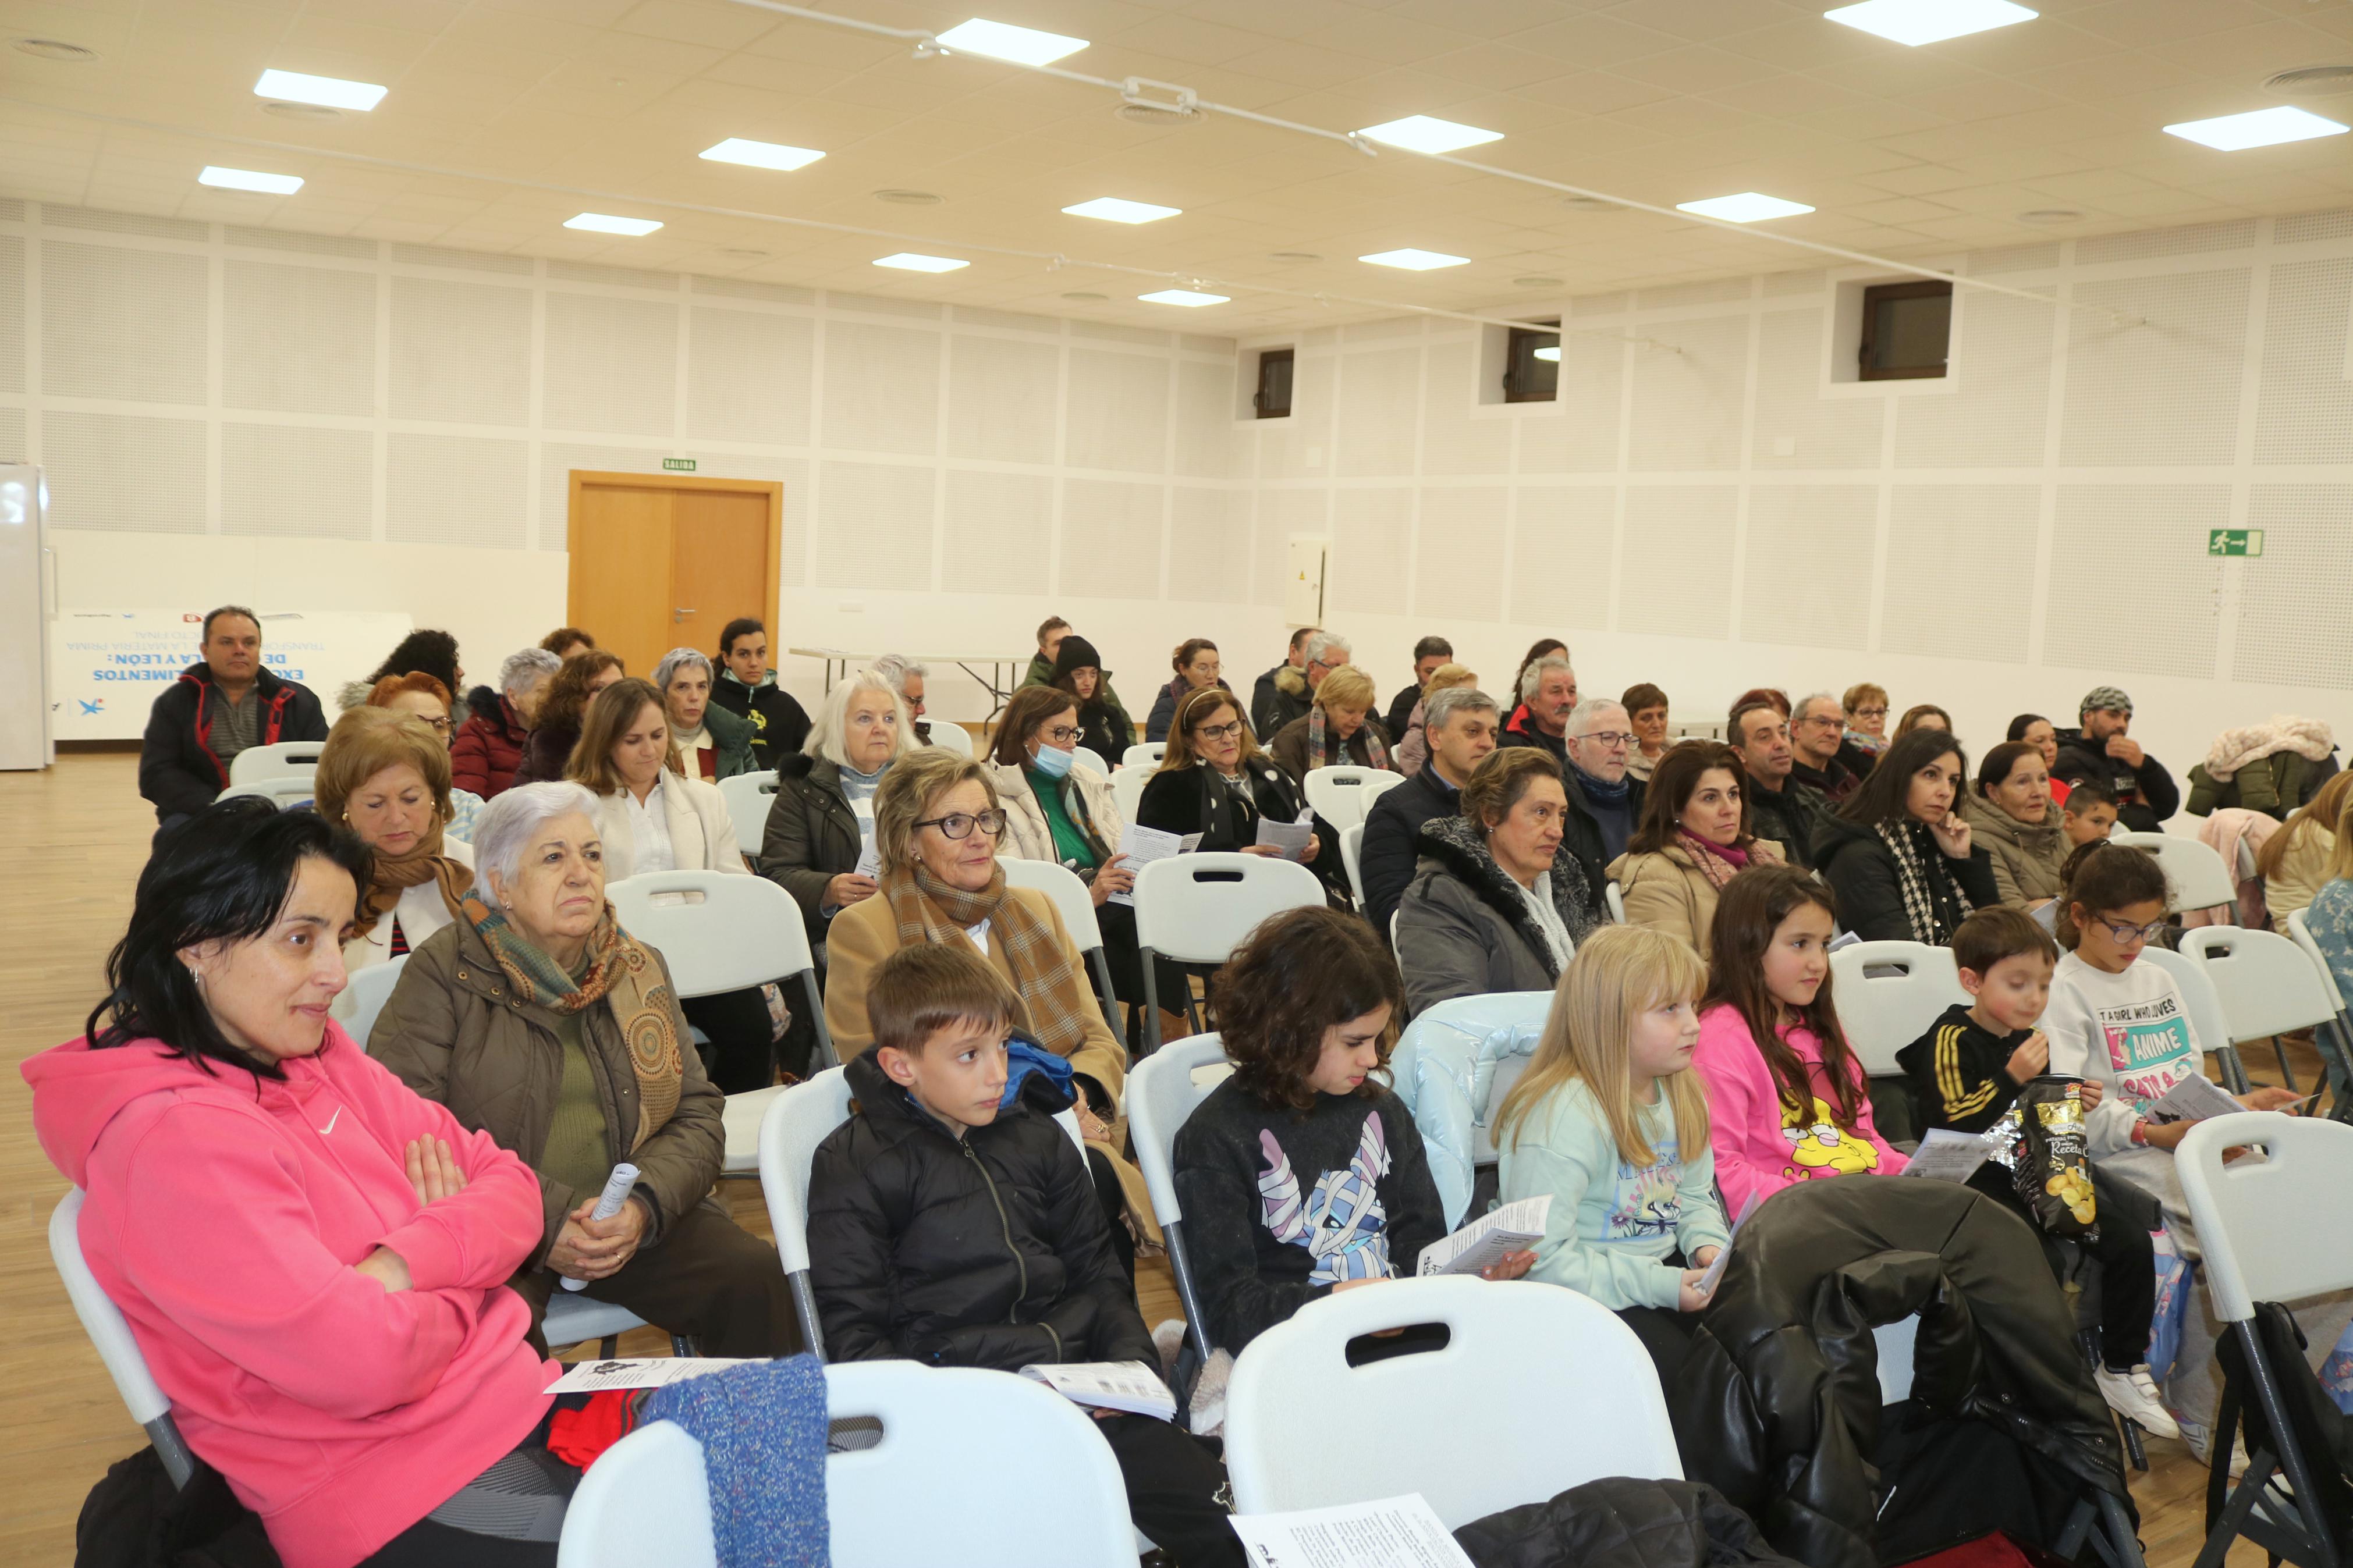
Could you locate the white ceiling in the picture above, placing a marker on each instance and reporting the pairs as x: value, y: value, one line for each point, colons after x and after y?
x: 1915, y: 153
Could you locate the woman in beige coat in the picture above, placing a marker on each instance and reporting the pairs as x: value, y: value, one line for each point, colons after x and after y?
x: 1693, y: 838
x: 2295, y: 861
x: 2011, y: 811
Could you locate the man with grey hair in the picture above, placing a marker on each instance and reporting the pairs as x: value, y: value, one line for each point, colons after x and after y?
x: 1817, y: 736
x: 1547, y: 696
x: 714, y: 743
x: 488, y: 747
x: 906, y: 677
x: 1461, y: 725
x: 1262, y: 707
x: 1602, y: 796
x: 1294, y: 690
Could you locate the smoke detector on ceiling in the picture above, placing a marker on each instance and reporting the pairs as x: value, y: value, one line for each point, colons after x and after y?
x: 303, y: 110
x: 54, y: 49
x: 2050, y: 217
x: 909, y: 198
x: 2311, y: 81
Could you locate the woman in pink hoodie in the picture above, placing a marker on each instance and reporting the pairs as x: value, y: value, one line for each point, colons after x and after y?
x: 310, y: 1256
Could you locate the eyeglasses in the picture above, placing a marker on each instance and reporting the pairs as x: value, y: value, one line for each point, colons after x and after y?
x: 2124, y: 932
x: 1871, y: 712
x: 1607, y: 737
x: 1061, y: 734
x: 960, y: 824
x: 1219, y: 731
x: 1832, y: 721
x: 440, y: 726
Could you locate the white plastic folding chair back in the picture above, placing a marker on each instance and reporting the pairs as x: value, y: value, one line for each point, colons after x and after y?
x: 1127, y: 790
x: 1144, y: 754
x: 1495, y: 1421
x: 1616, y: 901
x: 749, y: 797
x: 1343, y: 794
x: 573, y: 1319
x: 2267, y: 987
x: 369, y: 990
x: 722, y: 932
x: 646, y: 1502
x: 1882, y: 1014
x: 285, y: 791
x: 950, y: 736
x: 1088, y: 757
x: 2207, y: 1019
x: 279, y: 759
x: 1077, y: 908
x: 1352, y: 859
x: 2195, y: 876
x: 2263, y: 1237
x: 796, y: 1122
x: 1196, y: 908
x: 102, y: 1320
x: 1163, y: 1090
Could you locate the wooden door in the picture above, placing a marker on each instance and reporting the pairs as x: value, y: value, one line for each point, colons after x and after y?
x: 664, y: 561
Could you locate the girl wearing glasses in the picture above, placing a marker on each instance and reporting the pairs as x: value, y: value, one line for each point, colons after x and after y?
x: 1214, y: 781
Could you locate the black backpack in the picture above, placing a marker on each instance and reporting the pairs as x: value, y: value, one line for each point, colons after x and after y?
x: 2317, y: 1433
x: 136, y: 1518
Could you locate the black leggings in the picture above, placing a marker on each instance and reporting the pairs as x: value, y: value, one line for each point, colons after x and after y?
x: 510, y: 1516
x: 739, y: 1027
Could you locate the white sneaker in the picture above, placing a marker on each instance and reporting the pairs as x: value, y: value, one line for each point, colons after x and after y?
x: 2133, y: 1395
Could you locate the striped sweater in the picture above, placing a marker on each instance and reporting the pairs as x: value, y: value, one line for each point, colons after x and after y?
x: 1957, y: 1072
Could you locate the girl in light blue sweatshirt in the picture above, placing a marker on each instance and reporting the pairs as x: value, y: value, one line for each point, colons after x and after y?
x: 1612, y: 1122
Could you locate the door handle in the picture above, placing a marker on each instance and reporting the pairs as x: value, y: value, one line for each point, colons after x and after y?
x: 677, y: 615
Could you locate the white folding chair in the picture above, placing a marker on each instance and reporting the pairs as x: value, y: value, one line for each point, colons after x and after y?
x: 646, y: 1502
x: 573, y: 1318
x: 1088, y: 757
x: 748, y: 797
x: 286, y: 791
x: 1885, y: 1012
x: 1491, y: 1421
x: 952, y: 737
x: 2340, y: 1028
x: 2195, y: 876
x: 1451, y: 1067
x: 1127, y: 790
x: 1196, y: 908
x: 1352, y: 859
x: 1164, y: 1088
x: 1144, y: 754
x: 2265, y: 1239
x: 798, y: 1120
x: 2268, y: 988
x: 1077, y: 906
x: 102, y: 1320
x: 1343, y: 794
x: 1616, y: 902
x: 364, y: 997
x: 2207, y: 1019
x: 279, y: 759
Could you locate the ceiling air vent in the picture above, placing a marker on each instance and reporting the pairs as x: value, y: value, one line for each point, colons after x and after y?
x: 303, y: 110
x: 1156, y: 113
x: 909, y: 198
x: 54, y: 49
x: 2312, y: 81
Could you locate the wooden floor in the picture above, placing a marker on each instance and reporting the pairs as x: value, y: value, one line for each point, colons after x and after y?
x: 80, y: 832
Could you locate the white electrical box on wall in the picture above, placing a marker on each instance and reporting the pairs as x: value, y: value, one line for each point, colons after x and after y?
x: 1302, y: 585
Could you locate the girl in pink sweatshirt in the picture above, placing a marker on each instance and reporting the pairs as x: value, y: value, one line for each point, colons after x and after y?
x: 1784, y: 1096
x: 310, y: 1256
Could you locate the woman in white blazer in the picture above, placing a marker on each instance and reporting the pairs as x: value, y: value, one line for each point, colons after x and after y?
x: 652, y: 817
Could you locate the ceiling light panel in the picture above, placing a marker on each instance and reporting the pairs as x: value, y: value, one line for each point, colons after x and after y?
x: 250, y: 179
x: 1748, y: 207
x: 1115, y: 209
x: 1917, y: 22
x: 761, y: 154
x: 2258, y: 128
x: 332, y: 90
x: 1412, y: 260
x: 1004, y: 41
x: 1421, y: 133
x: 606, y: 223
x: 1186, y: 297
x: 908, y: 261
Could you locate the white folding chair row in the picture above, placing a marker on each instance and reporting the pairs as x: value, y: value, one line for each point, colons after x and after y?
x: 1127, y: 789
x: 2338, y: 1029
x: 277, y: 759
x: 1088, y: 757
x: 2267, y: 987
x: 284, y: 791
x: 1352, y: 860
x: 1342, y: 794
x: 2195, y: 876
x: 1196, y: 908
x: 1144, y: 754
x: 646, y: 1502
x: 748, y: 797
x: 1076, y: 905
x: 1163, y: 1090
x: 1886, y: 1011
x: 952, y: 737
x: 2207, y: 1019
x: 1616, y: 902
x: 574, y: 1318
x: 367, y: 993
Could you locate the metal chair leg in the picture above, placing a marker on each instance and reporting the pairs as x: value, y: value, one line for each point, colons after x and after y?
x: 1151, y: 1000
x: 2287, y: 1073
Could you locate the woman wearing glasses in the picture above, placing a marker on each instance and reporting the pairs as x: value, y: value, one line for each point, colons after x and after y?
x: 1214, y: 781
x: 423, y: 698
x: 1866, y: 725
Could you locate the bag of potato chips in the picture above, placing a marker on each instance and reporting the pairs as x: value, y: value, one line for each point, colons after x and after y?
x: 2053, y: 1172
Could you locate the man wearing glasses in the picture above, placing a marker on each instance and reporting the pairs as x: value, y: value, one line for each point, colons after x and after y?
x: 1605, y: 801
x: 1292, y: 690
x: 1779, y: 807
x: 2101, y: 752
x: 1818, y: 734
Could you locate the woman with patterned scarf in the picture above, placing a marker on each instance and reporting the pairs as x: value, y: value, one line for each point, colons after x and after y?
x: 385, y: 777
x: 1336, y: 729
x: 537, y: 1019
x: 1899, y: 857
x: 1695, y: 836
x: 938, y: 826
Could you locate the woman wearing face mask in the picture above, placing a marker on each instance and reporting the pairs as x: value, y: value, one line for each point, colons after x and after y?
x: 387, y: 778
x: 1901, y: 858
x: 1693, y: 838
x: 2010, y: 811
x: 1104, y: 727
x: 819, y: 842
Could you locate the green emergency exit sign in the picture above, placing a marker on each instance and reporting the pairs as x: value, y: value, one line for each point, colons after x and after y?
x: 2234, y: 542
x: 686, y: 466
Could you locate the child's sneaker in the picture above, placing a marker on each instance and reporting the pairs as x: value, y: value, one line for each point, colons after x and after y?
x: 2133, y: 1395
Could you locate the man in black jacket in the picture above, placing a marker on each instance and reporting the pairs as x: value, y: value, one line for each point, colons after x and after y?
x: 1262, y: 695
x: 216, y: 709
x: 1817, y: 739
x: 1291, y: 691
x: 1461, y: 725
x: 948, y: 1228
x: 1779, y: 807
x: 747, y: 687
x: 1429, y: 654
x: 2101, y: 752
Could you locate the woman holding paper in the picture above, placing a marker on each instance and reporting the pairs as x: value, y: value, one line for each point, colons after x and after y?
x: 1214, y: 781
x: 537, y: 1019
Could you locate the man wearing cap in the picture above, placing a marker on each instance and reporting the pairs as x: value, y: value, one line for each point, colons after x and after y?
x: 2101, y: 752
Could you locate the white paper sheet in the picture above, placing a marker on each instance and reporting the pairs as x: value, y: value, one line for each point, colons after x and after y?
x: 1514, y: 1227
x: 1395, y: 1532
x: 646, y: 1371
x: 1128, y: 1385
x: 1723, y: 1254
x: 2195, y: 1098
x: 1143, y: 846
x: 1290, y: 838
x: 1946, y: 1155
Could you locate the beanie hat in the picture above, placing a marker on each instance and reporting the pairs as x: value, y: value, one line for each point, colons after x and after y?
x: 1076, y: 653
x: 2105, y: 699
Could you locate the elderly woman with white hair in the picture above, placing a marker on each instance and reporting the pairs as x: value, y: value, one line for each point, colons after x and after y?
x: 537, y: 1019
x: 712, y: 743
x: 488, y: 747
x: 819, y: 842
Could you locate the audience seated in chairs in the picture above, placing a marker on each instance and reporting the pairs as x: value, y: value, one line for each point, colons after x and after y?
x: 1493, y: 905
x: 819, y: 842
x: 746, y: 687
x: 310, y: 1256
x: 1335, y: 731
x: 2299, y: 860
x: 1308, y: 1015
x: 711, y: 743
x: 1263, y: 691
x: 542, y: 1022
x: 220, y: 705
x: 2036, y: 732
x: 1539, y: 650
x: 2010, y: 811
x: 950, y: 1227
x: 1605, y: 803
x: 1903, y: 860
x: 420, y: 696
x: 488, y: 747
x: 1866, y: 705
x: 423, y: 652
x: 907, y: 679
x: 1429, y: 655
x: 2104, y: 751
x: 1104, y: 728
x: 549, y: 750
x: 1780, y: 810
x: 1293, y: 691
x: 651, y: 816
x: 1197, y: 665
x: 386, y: 777
x: 2090, y: 814
x: 1548, y: 695
x: 1817, y: 741
x: 1646, y: 707
x: 1461, y: 723
x: 1695, y: 839
x: 1413, y: 742
x: 1214, y: 781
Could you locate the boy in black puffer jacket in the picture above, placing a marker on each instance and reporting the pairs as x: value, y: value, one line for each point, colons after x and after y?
x: 947, y: 1228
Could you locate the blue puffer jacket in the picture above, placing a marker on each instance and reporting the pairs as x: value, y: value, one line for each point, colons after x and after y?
x: 1452, y: 1068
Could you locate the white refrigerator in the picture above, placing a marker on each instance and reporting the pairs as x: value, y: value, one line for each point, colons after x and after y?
x: 27, y: 600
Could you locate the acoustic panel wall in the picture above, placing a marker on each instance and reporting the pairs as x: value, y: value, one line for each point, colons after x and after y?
x: 1379, y: 398
x: 1209, y: 544
x: 998, y: 529
x: 1002, y: 391
x: 1111, y: 539
x: 1117, y: 413
x: 1809, y: 547
x: 124, y: 472
x: 12, y: 313
x: 881, y: 389
x: 2159, y: 383
x: 1689, y: 383
x: 461, y: 352
x: 1372, y: 541
x: 2305, y: 410
x: 122, y: 324
x: 875, y: 526
x: 1671, y: 530
x: 457, y: 491
x: 1564, y: 551
x: 1460, y: 542
x: 748, y: 376
x: 294, y: 481
x: 1962, y: 560
x: 2130, y: 585
x: 298, y: 340
x: 611, y: 364
x: 2292, y: 601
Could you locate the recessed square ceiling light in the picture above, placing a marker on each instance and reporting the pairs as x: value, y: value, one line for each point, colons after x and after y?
x: 2257, y: 128
x: 1115, y: 209
x: 908, y: 261
x: 1182, y: 297
x: 606, y: 223
x: 1412, y: 260
x: 761, y: 154
x: 1748, y: 207
x: 1917, y: 22
x: 1004, y: 41
x: 1421, y: 133
x: 248, y: 180
x: 332, y: 90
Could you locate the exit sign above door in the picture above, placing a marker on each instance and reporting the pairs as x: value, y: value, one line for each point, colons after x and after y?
x: 2234, y: 542
x: 686, y: 466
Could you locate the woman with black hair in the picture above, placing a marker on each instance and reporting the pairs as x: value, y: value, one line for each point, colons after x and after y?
x: 1900, y: 856
x: 1104, y: 727
x: 426, y: 652
x: 312, y: 1259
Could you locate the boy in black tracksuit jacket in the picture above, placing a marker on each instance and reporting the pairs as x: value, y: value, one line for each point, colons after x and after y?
x: 946, y: 1230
